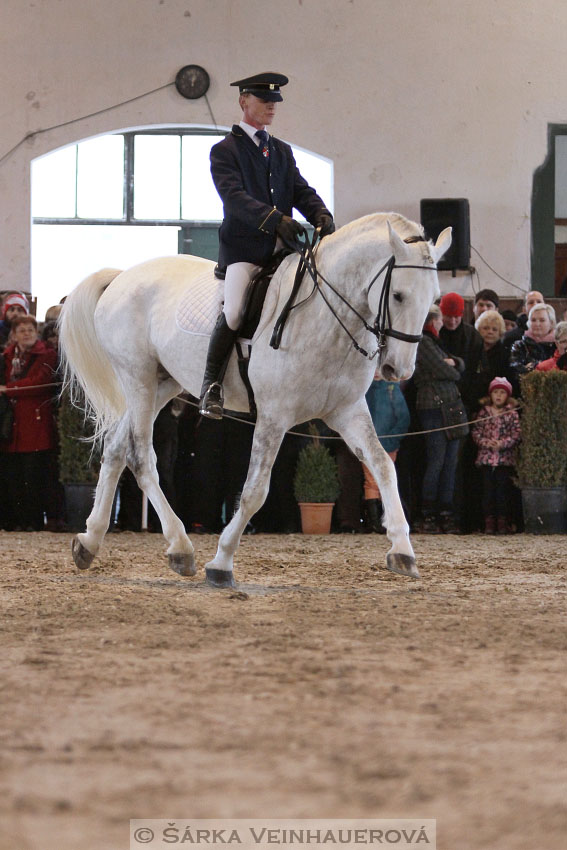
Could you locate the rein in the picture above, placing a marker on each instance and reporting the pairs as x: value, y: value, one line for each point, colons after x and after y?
x: 382, y: 324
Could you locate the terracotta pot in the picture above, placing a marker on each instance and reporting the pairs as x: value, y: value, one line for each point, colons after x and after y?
x: 316, y: 517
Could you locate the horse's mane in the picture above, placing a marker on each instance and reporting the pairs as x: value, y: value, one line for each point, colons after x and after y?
x: 364, y: 235
x: 370, y: 223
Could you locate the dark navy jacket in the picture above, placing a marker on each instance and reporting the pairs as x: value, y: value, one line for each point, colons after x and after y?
x: 255, y: 194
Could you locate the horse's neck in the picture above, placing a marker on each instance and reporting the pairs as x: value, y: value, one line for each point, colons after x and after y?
x: 351, y: 265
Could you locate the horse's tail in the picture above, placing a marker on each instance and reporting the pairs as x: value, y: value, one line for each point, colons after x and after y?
x: 88, y: 372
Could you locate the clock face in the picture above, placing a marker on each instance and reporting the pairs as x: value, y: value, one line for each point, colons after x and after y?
x: 192, y: 81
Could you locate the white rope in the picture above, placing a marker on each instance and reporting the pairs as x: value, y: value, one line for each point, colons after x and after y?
x: 320, y: 436
x: 380, y: 436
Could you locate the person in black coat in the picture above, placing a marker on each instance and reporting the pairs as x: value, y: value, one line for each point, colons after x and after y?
x: 532, y: 298
x: 495, y: 359
x: 462, y: 340
x: 259, y: 183
x: 537, y: 343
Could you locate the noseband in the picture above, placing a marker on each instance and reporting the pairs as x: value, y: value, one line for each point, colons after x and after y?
x: 382, y: 324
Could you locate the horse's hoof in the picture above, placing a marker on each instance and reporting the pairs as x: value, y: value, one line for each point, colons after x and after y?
x: 219, y: 578
x: 81, y: 556
x: 403, y: 565
x: 184, y: 564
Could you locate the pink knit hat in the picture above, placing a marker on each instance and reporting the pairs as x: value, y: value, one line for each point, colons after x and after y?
x: 13, y: 300
x: 500, y: 384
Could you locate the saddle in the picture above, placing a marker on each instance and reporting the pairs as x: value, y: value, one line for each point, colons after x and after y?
x: 252, y: 311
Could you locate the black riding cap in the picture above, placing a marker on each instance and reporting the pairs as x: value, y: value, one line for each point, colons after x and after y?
x: 265, y: 86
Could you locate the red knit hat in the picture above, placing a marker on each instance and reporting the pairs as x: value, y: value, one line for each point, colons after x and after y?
x: 500, y: 384
x: 452, y: 304
x: 15, y: 299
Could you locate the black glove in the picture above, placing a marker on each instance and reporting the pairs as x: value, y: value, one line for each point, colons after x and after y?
x: 327, y: 225
x: 289, y: 229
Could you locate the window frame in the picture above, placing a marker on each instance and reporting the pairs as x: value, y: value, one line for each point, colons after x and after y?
x: 128, y: 186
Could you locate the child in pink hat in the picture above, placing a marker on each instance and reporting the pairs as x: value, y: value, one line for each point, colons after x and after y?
x: 497, y: 433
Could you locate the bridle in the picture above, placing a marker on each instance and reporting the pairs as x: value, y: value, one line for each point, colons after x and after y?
x: 382, y: 327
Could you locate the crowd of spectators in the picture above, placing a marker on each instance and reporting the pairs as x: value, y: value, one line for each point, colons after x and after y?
x: 462, y: 484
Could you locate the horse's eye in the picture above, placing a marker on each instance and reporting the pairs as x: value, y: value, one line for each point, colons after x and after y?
x: 398, y: 297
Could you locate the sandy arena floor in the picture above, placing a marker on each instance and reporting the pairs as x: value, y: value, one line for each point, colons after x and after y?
x: 323, y: 687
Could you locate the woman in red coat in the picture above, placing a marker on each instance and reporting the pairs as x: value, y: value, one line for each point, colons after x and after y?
x: 29, y: 374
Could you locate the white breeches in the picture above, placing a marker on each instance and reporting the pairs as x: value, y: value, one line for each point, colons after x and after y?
x: 238, y: 277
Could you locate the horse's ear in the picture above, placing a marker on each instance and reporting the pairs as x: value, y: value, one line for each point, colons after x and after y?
x: 399, y: 247
x: 443, y: 242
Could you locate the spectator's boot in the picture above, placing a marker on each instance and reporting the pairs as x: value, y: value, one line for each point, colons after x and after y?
x: 373, y: 516
x: 428, y: 524
x: 449, y: 524
x: 502, y: 525
x: 489, y: 525
x: 220, y: 346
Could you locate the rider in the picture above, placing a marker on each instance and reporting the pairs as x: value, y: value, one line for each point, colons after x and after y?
x: 259, y: 183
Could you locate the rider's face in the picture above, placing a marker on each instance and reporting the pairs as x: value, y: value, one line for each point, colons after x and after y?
x: 257, y: 112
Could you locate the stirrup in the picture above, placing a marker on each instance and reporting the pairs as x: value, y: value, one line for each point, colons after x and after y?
x: 211, y: 403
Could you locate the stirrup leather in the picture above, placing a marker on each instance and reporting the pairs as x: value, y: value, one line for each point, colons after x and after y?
x: 212, y: 401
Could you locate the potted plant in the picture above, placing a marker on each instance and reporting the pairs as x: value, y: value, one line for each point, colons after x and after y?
x: 316, y: 485
x: 542, y: 461
x: 78, y: 462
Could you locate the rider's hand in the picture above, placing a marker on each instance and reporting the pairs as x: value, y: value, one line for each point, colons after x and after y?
x: 327, y: 225
x: 289, y: 229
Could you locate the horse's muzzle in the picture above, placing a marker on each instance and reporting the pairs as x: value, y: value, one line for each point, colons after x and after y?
x: 390, y: 373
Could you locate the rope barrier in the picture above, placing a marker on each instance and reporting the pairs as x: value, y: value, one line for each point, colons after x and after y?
x: 380, y: 436
x: 300, y: 433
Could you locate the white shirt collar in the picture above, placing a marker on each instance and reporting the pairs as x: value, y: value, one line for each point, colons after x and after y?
x: 251, y: 131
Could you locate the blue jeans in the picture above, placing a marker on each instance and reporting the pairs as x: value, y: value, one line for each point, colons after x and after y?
x: 442, y: 454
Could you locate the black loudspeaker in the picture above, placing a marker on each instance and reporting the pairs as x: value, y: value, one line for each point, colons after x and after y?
x: 439, y: 213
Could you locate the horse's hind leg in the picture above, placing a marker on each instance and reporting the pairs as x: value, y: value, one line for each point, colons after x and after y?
x: 141, y: 459
x: 267, y: 440
x: 85, y: 546
x: 357, y: 430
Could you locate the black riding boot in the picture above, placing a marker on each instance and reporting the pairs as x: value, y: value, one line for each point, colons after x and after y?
x: 220, y: 346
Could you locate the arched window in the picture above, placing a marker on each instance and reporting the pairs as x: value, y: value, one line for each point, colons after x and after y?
x: 120, y: 199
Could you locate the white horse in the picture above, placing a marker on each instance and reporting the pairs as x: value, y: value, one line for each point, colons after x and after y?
x: 123, y: 346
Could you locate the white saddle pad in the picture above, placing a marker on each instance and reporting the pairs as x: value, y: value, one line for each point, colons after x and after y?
x: 198, y: 309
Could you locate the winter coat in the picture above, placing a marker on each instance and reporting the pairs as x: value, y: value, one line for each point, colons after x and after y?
x: 34, y: 422
x: 527, y: 353
x: 256, y: 194
x: 494, y: 362
x: 389, y: 412
x: 504, y: 428
x: 435, y: 381
x: 465, y: 342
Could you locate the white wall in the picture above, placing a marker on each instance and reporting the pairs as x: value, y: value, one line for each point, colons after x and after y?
x: 410, y: 98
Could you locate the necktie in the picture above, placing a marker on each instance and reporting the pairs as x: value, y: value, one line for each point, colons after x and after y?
x: 263, y: 136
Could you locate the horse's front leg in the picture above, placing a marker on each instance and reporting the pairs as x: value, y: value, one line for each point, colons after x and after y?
x: 356, y: 428
x: 267, y: 440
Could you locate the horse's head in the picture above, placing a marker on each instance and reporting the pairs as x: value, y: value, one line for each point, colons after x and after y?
x: 401, y: 302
